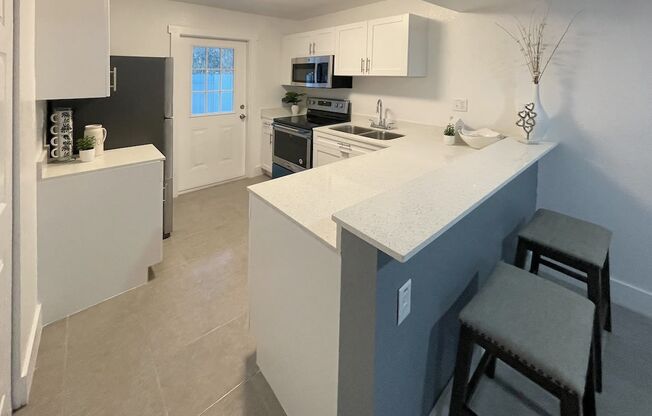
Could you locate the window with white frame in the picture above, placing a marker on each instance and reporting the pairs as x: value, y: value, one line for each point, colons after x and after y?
x: 212, y: 80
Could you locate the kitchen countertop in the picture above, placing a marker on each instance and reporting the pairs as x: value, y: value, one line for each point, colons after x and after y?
x: 402, y: 197
x: 273, y: 113
x: 109, y: 160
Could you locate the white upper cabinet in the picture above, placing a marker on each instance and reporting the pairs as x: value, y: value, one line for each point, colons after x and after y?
x: 392, y: 46
x: 351, y: 49
x: 72, y: 49
x: 323, y: 42
x: 315, y: 43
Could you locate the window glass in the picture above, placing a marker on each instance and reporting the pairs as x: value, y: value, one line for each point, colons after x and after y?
x: 212, y: 80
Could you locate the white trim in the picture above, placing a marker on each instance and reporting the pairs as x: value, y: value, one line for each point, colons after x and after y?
x: 631, y: 297
x: 4, y: 406
x: 23, y: 385
x: 191, y: 32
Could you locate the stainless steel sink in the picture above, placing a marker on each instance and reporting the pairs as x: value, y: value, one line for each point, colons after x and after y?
x: 381, y: 135
x: 351, y: 129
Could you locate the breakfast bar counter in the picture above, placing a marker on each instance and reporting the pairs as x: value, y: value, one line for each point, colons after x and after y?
x: 329, y: 249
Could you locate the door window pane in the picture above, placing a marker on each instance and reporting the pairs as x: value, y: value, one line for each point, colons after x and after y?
x: 212, y: 80
x: 198, y: 103
x: 227, y: 80
x: 213, y: 102
x: 227, y: 102
x: 198, y: 80
x: 198, y: 57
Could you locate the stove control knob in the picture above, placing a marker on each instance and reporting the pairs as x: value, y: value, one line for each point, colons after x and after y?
x: 301, y: 161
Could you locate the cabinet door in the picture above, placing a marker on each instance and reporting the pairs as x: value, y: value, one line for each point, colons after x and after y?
x: 266, y: 145
x: 325, y: 152
x: 300, y: 45
x: 72, y: 49
x: 323, y: 42
x: 351, y: 49
x: 388, y: 46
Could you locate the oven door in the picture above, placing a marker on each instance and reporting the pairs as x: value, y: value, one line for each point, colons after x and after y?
x: 313, y: 72
x: 292, y: 148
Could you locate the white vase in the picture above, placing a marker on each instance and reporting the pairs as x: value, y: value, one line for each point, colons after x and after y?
x: 295, y: 110
x: 542, y: 119
x: 87, y: 155
x: 449, y: 140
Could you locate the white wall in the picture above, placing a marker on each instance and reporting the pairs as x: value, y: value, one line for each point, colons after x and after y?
x: 597, y: 92
x: 140, y: 28
x: 27, y: 152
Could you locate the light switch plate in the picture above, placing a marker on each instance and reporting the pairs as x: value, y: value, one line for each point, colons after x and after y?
x: 404, y: 301
x: 461, y: 104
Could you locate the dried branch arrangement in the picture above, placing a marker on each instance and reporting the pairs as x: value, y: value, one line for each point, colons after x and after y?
x: 531, y: 39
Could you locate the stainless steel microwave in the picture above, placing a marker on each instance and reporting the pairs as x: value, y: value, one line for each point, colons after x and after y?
x: 317, y: 72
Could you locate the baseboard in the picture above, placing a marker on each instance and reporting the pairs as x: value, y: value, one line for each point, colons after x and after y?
x: 631, y: 297
x: 23, y: 385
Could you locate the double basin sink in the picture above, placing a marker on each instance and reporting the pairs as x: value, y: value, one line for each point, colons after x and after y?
x: 368, y: 133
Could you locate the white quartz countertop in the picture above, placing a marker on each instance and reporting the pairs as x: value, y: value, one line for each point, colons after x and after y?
x: 352, y: 191
x: 109, y: 160
x: 402, y: 221
x: 272, y: 113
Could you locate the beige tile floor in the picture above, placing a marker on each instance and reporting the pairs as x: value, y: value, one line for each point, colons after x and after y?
x: 178, y: 346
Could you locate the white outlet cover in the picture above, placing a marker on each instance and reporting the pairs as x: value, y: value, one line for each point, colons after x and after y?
x: 404, y: 301
x: 461, y: 104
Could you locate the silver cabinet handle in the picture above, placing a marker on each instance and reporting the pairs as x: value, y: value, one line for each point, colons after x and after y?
x: 362, y: 65
x: 114, y: 83
x: 271, y: 138
x: 368, y: 65
x: 314, y: 47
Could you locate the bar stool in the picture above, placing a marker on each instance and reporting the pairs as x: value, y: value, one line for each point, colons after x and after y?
x: 562, y: 242
x: 540, y: 329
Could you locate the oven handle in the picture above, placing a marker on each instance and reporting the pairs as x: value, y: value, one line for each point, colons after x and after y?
x: 295, y: 132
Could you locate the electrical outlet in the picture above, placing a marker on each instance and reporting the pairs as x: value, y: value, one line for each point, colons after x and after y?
x: 404, y: 301
x: 461, y: 105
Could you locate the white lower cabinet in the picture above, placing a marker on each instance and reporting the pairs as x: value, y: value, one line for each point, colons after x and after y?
x: 328, y: 149
x: 267, y: 144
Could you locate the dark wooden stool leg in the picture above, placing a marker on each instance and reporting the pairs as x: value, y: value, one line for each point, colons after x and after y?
x: 536, y: 261
x: 491, y: 368
x: 570, y: 405
x: 521, y: 254
x: 588, y: 402
x: 462, y: 371
x: 595, y: 295
x: 606, y: 287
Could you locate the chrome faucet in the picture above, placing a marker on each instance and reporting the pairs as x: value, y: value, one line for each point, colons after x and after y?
x: 381, y: 123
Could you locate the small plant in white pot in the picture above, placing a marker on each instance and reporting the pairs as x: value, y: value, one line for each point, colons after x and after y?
x: 86, y: 147
x: 293, y: 98
x: 449, y: 134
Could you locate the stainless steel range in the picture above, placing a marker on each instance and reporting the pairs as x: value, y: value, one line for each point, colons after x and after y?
x: 292, y: 149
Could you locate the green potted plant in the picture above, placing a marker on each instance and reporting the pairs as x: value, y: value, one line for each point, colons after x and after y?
x: 449, y: 134
x: 293, y: 98
x: 86, y: 147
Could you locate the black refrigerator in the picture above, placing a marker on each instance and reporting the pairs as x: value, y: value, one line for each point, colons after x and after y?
x: 138, y: 112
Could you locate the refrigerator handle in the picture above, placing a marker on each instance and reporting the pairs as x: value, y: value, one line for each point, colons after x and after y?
x: 114, y: 83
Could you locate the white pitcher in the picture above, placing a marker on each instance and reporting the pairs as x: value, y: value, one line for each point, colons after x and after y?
x: 99, y: 133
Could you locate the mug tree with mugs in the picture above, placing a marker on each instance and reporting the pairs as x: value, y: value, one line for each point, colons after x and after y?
x: 61, y: 143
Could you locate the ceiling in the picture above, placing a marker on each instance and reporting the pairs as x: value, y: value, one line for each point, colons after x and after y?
x: 289, y: 9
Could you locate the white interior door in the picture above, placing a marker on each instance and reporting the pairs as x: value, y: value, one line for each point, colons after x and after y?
x: 6, y: 118
x: 211, y: 89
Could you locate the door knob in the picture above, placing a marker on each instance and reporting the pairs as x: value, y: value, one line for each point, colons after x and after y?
x: 242, y: 116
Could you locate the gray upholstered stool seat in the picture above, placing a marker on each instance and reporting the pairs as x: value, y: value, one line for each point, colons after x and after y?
x: 537, y: 327
x: 547, y: 326
x: 579, y: 239
x: 578, y: 249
